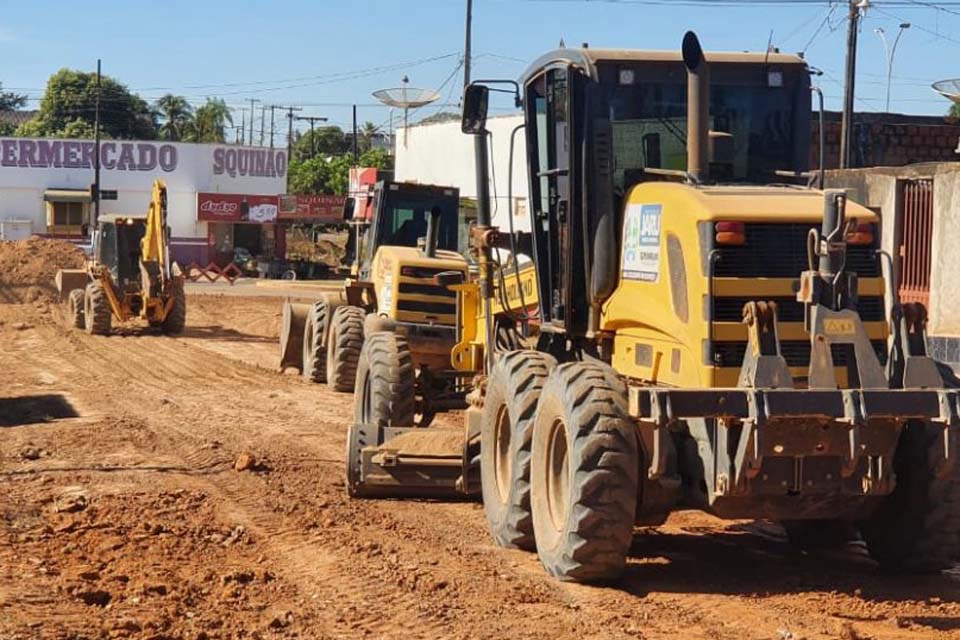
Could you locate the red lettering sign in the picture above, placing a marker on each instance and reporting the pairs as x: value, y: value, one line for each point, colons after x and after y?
x: 317, y: 209
x: 234, y: 207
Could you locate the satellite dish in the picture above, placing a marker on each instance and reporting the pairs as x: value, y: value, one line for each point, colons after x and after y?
x: 949, y: 89
x: 405, y: 98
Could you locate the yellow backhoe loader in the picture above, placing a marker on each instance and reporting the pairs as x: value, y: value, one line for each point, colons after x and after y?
x: 130, y: 276
x: 710, y: 335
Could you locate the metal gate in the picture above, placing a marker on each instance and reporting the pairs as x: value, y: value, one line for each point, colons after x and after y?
x: 916, y: 234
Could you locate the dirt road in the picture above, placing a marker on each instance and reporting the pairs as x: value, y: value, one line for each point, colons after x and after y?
x: 122, y: 515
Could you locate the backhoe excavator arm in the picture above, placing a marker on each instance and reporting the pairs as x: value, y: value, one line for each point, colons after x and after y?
x: 155, y: 244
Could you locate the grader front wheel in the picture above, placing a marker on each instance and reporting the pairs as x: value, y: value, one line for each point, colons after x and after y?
x: 506, y: 431
x: 584, y: 474
x: 314, y: 360
x: 344, y: 346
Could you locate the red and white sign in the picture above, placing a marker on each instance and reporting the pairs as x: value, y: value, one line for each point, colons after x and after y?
x: 328, y: 209
x: 232, y: 207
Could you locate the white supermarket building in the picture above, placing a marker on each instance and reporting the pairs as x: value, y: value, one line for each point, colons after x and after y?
x: 45, y: 190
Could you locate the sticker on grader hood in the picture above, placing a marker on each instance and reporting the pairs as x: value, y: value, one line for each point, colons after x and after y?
x: 641, y: 243
x: 386, y: 294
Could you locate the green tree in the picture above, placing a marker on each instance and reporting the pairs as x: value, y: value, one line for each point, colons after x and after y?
x: 9, y: 102
x: 954, y: 112
x: 71, y: 95
x: 210, y: 122
x: 177, y: 115
x: 331, y: 174
x: 323, y: 141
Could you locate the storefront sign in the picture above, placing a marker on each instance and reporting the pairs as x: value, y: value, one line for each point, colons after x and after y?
x: 41, y: 153
x: 232, y: 207
x: 324, y: 208
x: 237, y: 161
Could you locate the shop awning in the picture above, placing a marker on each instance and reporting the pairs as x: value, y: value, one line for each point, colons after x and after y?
x: 67, y: 195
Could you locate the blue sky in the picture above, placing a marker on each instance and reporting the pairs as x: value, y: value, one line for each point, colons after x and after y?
x: 300, y: 52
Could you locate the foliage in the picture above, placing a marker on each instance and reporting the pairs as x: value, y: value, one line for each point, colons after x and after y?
x: 323, y: 141
x: 440, y: 116
x: 10, y: 101
x: 331, y: 174
x: 177, y: 115
x: 71, y: 96
x: 954, y: 112
x: 209, y: 122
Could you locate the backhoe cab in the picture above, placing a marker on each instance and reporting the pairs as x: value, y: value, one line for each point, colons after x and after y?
x: 131, y: 274
x: 705, y: 337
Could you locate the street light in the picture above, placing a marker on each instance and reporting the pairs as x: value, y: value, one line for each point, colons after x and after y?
x: 890, y: 52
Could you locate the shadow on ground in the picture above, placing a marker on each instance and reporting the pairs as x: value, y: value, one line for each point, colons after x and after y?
x: 23, y: 410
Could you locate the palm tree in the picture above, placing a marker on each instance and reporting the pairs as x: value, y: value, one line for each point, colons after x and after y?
x: 367, y: 134
x: 177, y: 116
x: 210, y: 121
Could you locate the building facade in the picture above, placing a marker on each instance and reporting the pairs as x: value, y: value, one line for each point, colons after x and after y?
x: 919, y: 209
x: 45, y: 188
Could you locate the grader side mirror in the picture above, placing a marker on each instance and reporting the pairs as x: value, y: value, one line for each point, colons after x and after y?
x: 348, y: 208
x: 476, y: 99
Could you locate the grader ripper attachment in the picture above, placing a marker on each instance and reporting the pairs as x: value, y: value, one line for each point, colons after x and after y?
x: 704, y: 338
x: 130, y: 276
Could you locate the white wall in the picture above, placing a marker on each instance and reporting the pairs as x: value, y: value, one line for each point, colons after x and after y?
x: 25, y: 175
x: 441, y: 154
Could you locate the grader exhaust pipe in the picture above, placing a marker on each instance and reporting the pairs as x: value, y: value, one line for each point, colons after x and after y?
x: 698, y: 108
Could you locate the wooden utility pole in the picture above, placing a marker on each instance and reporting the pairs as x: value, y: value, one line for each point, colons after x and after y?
x: 467, y: 44
x: 846, y: 124
x: 313, y: 137
x: 252, y: 114
x: 96, y: 154
x: 263, y: 122
x: 290, y: 111
x: 272, y: 108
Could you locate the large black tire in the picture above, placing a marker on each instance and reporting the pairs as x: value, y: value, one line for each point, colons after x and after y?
x: 506, y: 431
x: 343, y: 347
x: 358, y: 437
x: 917, y: 528
x: 314, y: 367
x: 97, y: 316
x: 176, y: 320
x: 584, y: 474
x: 76, y: 304
x: 385, y: 384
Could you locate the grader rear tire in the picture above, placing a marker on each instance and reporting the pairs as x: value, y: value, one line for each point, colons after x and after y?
x: 506, y: 431
x: 917, y: 527
x: 97, y: 316
x: 176, y: 320
x: 314, y: 367
x: 75, y: 317
x: 344, y: 346
x: 584, y: 474
x: 385, y: 384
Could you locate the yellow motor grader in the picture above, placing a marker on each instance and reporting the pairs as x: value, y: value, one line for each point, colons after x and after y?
x: 131, y: 274
x: 710, y: 335
x: 407, y: 236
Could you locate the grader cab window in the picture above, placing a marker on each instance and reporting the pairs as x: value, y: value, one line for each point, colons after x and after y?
x: 649, y: 123
x: 405, y: 214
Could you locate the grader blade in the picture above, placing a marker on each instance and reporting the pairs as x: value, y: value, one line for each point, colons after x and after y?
x: 291, y: 334
x: 405, y: 462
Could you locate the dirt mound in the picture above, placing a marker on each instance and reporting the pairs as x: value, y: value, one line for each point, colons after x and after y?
x: 27, y: 268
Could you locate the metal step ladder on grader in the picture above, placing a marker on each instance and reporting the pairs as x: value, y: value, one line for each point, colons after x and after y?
x: 130, y: 276
x: 706, y: 336
x: 405, y: 235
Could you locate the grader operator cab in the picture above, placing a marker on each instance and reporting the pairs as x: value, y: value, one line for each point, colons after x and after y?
x: 131, y: 274
x: 409, y: 236
x: 707, y: 338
